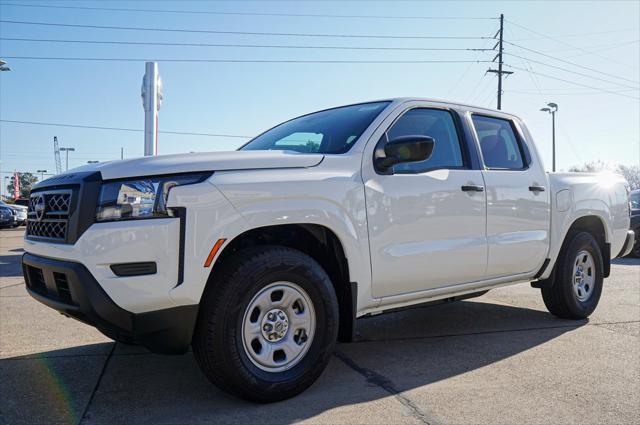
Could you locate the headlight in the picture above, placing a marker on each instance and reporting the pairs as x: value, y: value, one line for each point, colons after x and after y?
x: 141, y: 198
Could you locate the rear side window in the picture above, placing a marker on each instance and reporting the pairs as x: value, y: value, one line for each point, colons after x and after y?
x: 500, y: 146
x: 435, y: 123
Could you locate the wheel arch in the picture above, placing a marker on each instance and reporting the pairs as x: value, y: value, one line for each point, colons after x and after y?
x: 592, y: 224
x: 315, y: 240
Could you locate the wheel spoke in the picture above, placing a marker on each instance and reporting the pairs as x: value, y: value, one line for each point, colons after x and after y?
x: 266, y: 354
x: 290, y: 348
x: 253, y: 328
x: 263, y: 303
x: 288, y: 298
x: 300, y: 321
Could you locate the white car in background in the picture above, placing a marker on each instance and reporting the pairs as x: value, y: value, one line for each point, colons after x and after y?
x: 261, y: 259
x: 20, y: 213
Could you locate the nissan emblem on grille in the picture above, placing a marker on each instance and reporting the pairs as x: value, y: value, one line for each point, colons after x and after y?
x: 48, y: 215
x: 39, y: 207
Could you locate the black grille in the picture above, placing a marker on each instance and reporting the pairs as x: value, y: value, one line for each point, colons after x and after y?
x: 62, y: 285
x: 58, y: 203
x: 37, y: 282
x: 48, y: 215
x: 47, y: 229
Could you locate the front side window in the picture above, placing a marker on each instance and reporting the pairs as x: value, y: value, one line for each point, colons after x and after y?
x: 332, y: 131
x: 499, y: 143
x: 435, y: 123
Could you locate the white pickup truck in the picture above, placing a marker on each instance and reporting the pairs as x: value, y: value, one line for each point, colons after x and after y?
x: 262, y: 258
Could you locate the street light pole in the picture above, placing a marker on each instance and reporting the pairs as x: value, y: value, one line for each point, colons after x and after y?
x: 151, y: 93
x: 67, y: 150
x: 552, y: 109
x: 42, y: 174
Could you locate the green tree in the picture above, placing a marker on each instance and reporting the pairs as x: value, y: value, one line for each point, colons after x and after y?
x: 630, y: 172
x: 26, y: 181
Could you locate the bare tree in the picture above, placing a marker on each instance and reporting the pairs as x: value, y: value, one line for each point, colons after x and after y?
x: 630, y: 172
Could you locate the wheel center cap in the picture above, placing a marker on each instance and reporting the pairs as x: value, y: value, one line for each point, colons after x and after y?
x: 275, y: 325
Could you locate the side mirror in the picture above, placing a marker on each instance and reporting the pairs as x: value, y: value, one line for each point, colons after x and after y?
x: 405, y: 149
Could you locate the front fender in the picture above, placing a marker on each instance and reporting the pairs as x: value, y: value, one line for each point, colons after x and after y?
x: 258, y: 198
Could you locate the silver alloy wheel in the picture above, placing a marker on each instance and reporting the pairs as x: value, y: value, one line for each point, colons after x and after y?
x: 278, y: 326
x: 584, y: 276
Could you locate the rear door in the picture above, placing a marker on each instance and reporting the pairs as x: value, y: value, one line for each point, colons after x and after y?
x: 518, y: 209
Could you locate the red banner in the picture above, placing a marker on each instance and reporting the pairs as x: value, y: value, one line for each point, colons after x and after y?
x: 16, y: 185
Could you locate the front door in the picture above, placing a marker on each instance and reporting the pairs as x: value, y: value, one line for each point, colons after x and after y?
x: 426, y: 219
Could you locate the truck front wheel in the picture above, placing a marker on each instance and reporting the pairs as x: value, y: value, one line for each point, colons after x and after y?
x: 267, y: 325
x: 577, y: 283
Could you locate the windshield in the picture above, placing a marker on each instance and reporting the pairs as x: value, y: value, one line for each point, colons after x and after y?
x: 635, y: 200
x: 331, y: 131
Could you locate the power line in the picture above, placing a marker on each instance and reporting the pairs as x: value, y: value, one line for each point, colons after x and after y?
x: 468, y: 68
x: 285, y: 34
x: 268, y: 46
x: 600, y: 46
x: 555, y: 37
x: 571, y: 63
x: 548, y: 37
x: 206, y: 12
x: 547, y: 93
x: 61, y: 58
x: 94, y: 127
x: 24, y: 172
x: 573, y: 82
x: 572, y: 71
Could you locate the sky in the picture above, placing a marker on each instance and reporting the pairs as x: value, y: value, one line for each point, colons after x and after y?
x: 582, y: 55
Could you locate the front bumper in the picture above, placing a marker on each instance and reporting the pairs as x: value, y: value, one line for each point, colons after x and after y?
x: 71, y: 289
x: 6, y: 222
x: 628, y: 244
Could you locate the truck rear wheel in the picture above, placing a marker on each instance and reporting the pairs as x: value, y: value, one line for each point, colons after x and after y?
x: 267, y: 325
x: 635, y: 251
x: 577, y: 284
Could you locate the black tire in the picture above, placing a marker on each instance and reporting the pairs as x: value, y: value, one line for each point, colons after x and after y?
x: 635, y: 251
x: 218, y: 342
x: 560, y: 298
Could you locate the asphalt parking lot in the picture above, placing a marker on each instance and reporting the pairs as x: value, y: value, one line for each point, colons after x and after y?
x: 497, y: 359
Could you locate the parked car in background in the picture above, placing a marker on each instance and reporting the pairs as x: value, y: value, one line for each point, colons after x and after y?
x: 22, y: 201
x: 7, y: 217
x: 20, y: 213
x: 262, y: 259
x: 634, y: 200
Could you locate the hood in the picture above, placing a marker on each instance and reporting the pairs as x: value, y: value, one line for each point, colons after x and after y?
x: 205, y: 161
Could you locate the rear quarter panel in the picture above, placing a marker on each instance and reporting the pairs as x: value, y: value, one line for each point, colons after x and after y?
x: 576, y: 195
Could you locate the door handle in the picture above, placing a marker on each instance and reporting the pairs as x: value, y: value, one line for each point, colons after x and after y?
x: 536, y: 188
x: 472, y: 188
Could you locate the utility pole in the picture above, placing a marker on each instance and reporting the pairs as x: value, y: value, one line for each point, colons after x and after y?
x: 500, y: 72
x: 121, y: 153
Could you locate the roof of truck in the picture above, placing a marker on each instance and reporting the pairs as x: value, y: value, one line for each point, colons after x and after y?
x: 446, y: 102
